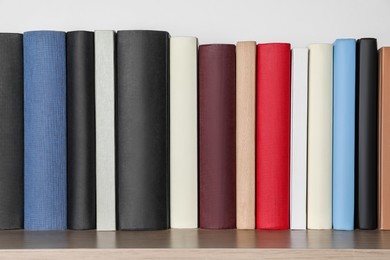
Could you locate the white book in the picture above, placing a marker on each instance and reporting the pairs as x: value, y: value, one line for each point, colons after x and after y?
x: 319, y: 159
x: 105, y: 129
x: 183, y: 132
x: 298, y: 154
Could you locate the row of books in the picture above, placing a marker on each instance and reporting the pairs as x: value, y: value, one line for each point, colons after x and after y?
x: 137, y: 130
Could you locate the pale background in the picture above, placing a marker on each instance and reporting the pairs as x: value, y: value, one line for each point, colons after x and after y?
x: 213, y: 21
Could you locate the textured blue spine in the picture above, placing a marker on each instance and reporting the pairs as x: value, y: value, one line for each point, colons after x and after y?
x: 344, y: 89
x: 45, y: 130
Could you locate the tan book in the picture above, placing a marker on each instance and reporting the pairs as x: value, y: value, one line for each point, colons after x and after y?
x: 384, y: 139
x: 245, y: 133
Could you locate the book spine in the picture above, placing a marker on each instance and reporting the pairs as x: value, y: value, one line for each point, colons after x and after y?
x: 217, y: 136
x: 273, y: 136
x: 298, y: 149
x: 143, y: 130
x: 366, y: 181
x: 105, y: 129
x: 81, y: 175
x: 184, y: 132
x: 45, y: 130
x: 384, y: 144
x: 246, y: 133
x: 11, y: 132
x: 319, y: 158
x: 344, y: 88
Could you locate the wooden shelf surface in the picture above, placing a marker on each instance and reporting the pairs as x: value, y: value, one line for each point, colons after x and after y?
x: 195, y: 244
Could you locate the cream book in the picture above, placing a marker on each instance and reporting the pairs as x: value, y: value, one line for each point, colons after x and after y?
x: 319, y: 158
x: 105, y: 129
x: 298, y: 154
x: 183, y: 132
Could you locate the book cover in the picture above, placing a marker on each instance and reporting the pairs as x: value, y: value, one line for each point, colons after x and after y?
x: 319, y: 157
x: 142, y: 130
x: 105, y: 129
x: 11, y: 131
x: 273, y: 136
x: 384, y: 135
x: 217, y: 136
x: 344, y: 88
x: 184, y: 132
x: 245, y: 133
x: 44, y: 130
x: 298, y: 149
x: 81, y: 175
x: 366, y: 179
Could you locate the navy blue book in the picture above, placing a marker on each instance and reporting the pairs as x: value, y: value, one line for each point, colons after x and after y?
x: 45, y: 130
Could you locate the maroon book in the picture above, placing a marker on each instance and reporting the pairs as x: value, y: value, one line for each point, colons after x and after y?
x: 217, y: 136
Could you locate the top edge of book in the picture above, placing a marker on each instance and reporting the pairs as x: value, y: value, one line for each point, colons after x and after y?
x: 299, y: 49
x: 345, y: 40
x: 141, y: 31
x: 211, y: 45
x: 184, y: 37
x: 44, y: 32
x: 246, y: 42
x: 80, y: 31
x: 367, y: 39
x: 320, y: 45
x: 274, y: 44
x: 108, y: 32
x: 4, y: 34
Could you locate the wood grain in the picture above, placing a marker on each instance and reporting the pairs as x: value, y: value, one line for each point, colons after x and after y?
x: 384, y: 139
x: 195, y: 238
x: 195, y: 244
x: 245, y: 133
x: 194, y: 254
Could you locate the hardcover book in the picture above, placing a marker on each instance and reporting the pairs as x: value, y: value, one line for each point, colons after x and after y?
x: 11, y: 131
x: 245, y: 131
x: 45, y: 130
x: 184, y: 132
x: 105, y: 129
x: 273, y: 136
x: 366, y: 179
x: 319, y: 157
x: 344, y: 88
x: 298, y: 149
x: 143, y: 130
x: 217, y: 136
x: 81, y: 176
x: 384, y: 135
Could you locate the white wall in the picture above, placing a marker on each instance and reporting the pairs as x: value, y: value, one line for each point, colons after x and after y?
x: 225, y: 21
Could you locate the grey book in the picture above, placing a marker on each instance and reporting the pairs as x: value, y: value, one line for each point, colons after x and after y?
x: 105, y: 129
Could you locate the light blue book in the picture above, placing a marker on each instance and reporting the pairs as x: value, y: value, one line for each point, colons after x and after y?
x: 344, y: 88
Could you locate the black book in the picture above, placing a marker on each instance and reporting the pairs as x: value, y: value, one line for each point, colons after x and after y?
x: 11, y: 131
x: 142, y: 140
x: 366, y: 188
x: 81, y: 130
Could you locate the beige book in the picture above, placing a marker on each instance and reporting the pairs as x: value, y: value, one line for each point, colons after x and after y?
x: 384, y: 139
x: 245, y: 133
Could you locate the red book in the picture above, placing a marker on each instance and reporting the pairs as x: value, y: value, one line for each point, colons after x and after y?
x: 273, y: 136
